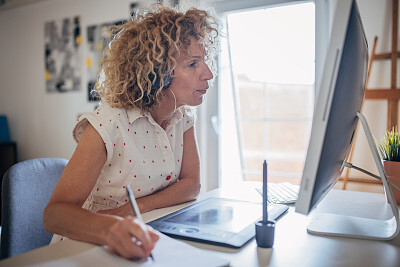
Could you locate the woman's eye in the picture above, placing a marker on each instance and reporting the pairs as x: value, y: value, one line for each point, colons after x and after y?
x: 192, y: 65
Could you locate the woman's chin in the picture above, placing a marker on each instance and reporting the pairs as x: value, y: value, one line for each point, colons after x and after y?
x: 199, y: 101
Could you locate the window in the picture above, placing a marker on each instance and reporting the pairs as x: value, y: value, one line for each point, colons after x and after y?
x: 266, y: 83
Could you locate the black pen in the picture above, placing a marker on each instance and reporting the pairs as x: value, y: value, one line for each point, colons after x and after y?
x: 135, y: 208
x: 265, y: 192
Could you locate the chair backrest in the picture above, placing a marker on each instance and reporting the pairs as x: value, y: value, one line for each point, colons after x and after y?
x: 26, y: 190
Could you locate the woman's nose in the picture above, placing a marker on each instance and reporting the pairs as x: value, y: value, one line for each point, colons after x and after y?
x: 207, y: 75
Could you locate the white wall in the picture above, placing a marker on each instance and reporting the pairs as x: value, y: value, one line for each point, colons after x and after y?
x: 42, y: 123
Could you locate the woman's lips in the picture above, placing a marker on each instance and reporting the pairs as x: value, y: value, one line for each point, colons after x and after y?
x: 202, y: 91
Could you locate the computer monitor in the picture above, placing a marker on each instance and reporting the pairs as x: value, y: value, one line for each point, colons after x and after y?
x: 335, y: 119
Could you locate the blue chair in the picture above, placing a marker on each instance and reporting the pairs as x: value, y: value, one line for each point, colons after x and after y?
x: 26, y: 190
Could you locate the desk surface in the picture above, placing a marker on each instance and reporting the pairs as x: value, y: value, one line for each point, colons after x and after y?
x: 293, y: 245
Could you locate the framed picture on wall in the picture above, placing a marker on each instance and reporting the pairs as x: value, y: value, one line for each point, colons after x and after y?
x: 98, y: 38
x: 63, y: 51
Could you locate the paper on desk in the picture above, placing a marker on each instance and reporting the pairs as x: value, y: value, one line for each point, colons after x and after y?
x: 167, y: 252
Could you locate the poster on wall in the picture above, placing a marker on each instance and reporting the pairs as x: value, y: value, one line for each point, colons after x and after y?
x: 98, y: 38
x: 63, y: 53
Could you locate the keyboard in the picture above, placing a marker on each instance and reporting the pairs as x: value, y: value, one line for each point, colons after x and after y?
x: 280, y: 193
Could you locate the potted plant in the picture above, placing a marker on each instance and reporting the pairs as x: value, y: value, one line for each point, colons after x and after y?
x: 389, y: 149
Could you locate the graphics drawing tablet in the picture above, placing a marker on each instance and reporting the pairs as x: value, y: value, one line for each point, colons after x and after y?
x: 216, y: 221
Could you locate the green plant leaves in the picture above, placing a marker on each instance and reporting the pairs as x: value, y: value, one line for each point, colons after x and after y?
x: 389, y: 147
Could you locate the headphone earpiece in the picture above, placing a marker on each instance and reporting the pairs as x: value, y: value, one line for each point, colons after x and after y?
x: 157, y: 82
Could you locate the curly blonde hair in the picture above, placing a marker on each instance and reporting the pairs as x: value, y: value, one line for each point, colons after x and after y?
x: 147, y: 47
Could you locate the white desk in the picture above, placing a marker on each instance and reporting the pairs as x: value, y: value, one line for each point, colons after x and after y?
x: 293, y: 245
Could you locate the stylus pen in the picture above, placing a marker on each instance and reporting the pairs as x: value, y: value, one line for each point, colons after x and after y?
x: 135, y: 208
x: 265, y: 191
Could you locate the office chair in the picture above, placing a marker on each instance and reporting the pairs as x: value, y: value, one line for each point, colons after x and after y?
x: 26, y: 190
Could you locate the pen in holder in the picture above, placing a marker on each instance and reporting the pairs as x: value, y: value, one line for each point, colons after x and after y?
x: 265, y: 229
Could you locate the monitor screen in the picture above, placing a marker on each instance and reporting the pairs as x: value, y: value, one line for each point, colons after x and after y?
x: 340, y: 97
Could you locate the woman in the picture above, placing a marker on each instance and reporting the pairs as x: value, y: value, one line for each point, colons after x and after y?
x: 141, y: 135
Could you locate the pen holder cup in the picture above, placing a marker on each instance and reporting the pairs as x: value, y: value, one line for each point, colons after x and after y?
x: 265, y: 234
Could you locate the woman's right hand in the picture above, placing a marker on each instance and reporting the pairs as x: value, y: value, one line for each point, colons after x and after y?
x: 131, y: 238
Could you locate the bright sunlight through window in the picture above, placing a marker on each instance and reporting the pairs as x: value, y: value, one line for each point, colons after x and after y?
x: 266, y: 92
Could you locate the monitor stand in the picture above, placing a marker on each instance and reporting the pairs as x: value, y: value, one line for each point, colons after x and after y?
x: 358, y: 227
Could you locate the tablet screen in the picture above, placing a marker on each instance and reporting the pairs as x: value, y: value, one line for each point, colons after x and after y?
x: 217, y: 221
x: 220, y: 214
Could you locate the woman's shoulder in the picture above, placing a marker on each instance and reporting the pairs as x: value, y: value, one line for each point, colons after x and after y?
x: 102, y: 117
x: 105, y: 114
x: 108, y: 110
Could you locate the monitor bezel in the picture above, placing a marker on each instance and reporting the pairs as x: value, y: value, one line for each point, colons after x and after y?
x: 323, y: 106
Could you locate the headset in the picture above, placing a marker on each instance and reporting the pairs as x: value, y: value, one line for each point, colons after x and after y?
x: 157, y: 81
